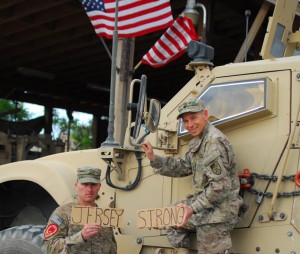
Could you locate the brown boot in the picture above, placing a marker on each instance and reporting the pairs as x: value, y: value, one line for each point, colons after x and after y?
x: 181, y: 251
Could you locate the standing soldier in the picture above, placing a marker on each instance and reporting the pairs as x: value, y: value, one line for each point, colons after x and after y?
x: 62, y: 237
x: 212, y: 210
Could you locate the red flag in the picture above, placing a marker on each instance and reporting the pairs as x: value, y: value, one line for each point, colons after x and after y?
x: 172, y: 44
x: 135, y: 17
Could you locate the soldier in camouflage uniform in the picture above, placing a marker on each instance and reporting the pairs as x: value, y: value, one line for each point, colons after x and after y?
x: 63, y: 237
x: 213, y: 209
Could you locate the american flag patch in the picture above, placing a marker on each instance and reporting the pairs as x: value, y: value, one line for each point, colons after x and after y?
x: 55, y: 218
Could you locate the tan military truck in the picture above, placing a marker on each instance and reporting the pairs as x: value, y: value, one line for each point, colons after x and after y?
x: 256, y: 104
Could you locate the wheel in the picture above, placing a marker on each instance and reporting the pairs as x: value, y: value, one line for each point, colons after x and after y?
x: 27, y: 239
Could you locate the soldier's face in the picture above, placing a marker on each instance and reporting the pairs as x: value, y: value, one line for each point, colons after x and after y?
x: 195, y: 122
x: 87, y: 192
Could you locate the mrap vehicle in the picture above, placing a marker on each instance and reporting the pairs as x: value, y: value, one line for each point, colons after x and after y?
x: 256, y: 104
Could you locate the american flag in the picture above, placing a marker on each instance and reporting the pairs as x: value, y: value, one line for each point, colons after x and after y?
x: 172, y: 44
x: 135, y: 17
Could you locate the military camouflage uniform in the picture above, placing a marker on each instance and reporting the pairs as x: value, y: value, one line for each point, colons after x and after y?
x: 216, y: 202
x: 68, y: 238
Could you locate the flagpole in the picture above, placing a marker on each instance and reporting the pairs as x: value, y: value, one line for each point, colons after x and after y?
x: 138, y: 65
x: 110, y: 141
x: 106, y: 48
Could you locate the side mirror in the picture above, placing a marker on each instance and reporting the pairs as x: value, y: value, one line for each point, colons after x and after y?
x: 153, y: 116
x: 150, y: 118
x: 140, y: 107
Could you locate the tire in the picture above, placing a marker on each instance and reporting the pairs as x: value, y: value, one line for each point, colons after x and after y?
x: 27, y: 239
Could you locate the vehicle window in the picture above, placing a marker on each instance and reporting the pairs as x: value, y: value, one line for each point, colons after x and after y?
x: 228, y: 101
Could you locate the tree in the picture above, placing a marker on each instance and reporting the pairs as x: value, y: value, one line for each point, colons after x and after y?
x: 13, y: 111
x: 80, y: 134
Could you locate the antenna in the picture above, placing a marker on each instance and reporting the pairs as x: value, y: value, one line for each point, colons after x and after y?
x: 247, y: 14
x: 110, y: 140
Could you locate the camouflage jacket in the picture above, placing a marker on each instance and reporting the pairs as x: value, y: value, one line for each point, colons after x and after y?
x: 211, y: 162
x: 62, y: 237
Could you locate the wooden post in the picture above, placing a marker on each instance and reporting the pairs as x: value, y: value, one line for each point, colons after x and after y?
x: 253, y: 31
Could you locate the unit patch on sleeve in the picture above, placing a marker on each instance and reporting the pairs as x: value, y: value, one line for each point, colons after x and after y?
x: 50, y: 230
x: 216, y: 168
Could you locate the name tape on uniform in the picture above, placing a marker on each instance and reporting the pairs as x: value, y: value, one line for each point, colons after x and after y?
x: 159, y: 217
x: 106, y: 217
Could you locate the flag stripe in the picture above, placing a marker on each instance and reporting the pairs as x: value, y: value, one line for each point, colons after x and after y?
x: 135, y: 17
x: 172, y: 43
x: 137, y: 31
x: 141, y: 24
x: 167, y: 47
x: 131, y: 17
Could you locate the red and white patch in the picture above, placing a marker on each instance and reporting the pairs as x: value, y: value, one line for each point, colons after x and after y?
x: 50, y: 230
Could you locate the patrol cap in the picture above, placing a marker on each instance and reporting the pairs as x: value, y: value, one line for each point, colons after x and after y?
x: 190, y: 105
x: 88, y: 175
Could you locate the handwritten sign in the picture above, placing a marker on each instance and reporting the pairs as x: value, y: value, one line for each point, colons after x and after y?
x: 159, y: 217
x: 106, y: 217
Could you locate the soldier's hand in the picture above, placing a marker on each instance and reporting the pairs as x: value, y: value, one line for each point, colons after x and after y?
x: 188, y: 212
x: 148, y: 149
x: 89, y: 230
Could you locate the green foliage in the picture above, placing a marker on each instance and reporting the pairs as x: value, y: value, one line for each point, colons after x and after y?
x: 13, y: 111
x: 81, y: 134
x: 60, y: 124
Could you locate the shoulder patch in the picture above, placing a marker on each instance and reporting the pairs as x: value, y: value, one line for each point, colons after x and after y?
x: 50, y: 230
x: 216, y: 168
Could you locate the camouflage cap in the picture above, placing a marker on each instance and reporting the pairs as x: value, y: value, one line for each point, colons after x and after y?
x: 88, y: 175
x: 190, y: 106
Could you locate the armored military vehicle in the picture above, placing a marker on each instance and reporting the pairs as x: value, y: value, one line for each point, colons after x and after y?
x: 256, y: 104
